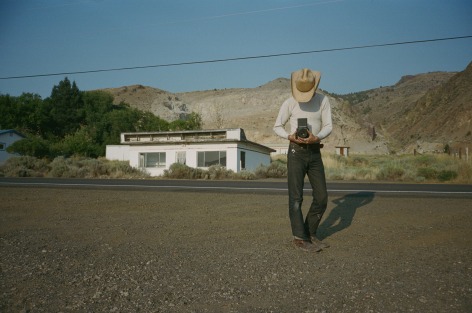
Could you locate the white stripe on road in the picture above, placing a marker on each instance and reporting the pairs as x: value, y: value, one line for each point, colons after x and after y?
x: 238, y: 188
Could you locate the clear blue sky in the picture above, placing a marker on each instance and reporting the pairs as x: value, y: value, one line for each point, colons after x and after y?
x: 56, y: 36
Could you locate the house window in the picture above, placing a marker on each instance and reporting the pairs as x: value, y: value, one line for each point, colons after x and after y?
x: 154, y: 159
x: 209, y: 158
x: 2, y: 146
x: 181, y: 157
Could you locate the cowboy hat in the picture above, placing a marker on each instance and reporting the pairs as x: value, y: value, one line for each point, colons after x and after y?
x: 304, y: 84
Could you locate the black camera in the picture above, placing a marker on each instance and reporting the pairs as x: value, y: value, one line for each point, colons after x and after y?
x: 302, y: 128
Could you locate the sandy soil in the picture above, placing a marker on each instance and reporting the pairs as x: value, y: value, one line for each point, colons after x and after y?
x: 88, y: 250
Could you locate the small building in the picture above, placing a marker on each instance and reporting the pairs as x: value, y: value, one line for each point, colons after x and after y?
x: 7, y: 138
x: 155, y: 152
x: 279, y: 148
x: 342, y: 151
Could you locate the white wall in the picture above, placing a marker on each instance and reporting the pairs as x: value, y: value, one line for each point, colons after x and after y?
x: 233, y: 162
x: 117, y: 152
x: 171, y: 154
x: 7, y: 139
x: 254, y: 160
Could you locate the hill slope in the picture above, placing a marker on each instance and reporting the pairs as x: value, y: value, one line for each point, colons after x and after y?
x: 421, y: 111
x: 254, y: 110
x: 443, y: 115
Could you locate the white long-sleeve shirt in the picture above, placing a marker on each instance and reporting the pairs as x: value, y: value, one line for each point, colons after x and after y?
x: 317, y: 112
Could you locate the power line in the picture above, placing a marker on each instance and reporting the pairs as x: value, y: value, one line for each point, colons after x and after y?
x: 238, y: 58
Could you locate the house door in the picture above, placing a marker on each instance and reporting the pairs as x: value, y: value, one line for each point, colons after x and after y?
x: 181, y: 157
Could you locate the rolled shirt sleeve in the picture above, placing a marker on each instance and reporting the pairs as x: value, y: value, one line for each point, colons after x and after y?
x: 326, y: 120
x: 282, y: 119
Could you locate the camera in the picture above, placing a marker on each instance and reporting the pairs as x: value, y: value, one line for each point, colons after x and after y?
x: 302, y: 128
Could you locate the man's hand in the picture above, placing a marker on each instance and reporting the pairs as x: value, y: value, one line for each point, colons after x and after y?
x: 308, y: 141
x: 293, y: 138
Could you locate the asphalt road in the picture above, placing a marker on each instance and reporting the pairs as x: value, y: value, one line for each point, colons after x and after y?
x: 259, y: 186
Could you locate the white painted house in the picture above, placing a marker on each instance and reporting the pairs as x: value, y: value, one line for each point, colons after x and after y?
x: 7, y: 138
x: 157, y: 151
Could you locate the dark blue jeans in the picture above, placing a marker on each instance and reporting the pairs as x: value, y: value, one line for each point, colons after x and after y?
x: 305, y: 160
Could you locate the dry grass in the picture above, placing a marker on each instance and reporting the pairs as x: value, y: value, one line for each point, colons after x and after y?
x: 430, y: 168
x: 75, y: 167
x: 404, y: 168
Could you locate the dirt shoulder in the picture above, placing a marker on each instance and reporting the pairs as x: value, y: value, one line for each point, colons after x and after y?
x: 88, y: 250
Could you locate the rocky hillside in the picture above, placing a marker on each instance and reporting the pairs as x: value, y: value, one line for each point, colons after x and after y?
x: 409, y: 115
x: 443, y: 115
x: 254, y: 110
x: 423, y: 112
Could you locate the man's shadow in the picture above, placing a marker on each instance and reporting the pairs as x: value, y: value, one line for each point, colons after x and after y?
x: 343, y: 213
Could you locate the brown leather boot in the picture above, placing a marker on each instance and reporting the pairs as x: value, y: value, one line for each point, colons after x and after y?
x: 306, y: 245
x: 320, y: 244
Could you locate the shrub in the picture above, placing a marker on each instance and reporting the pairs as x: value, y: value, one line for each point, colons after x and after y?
x: 24, y: 166
x: 219, y: 172
x: 63, y: 167
x: 182, y: 171
x: 334, y: 174
x: 32, y: 146
x: 275, y: 169
x: 399, y: 168
x: 122, y: 169
x: 465, y: 170
x: 446, y: 175
x: 427, y: 173
x: 245, y: 175
x: 74, y: 167
x: 357, y: 160
x: 424, y: 160
x: 391, y: 172
x: 340, y: 159
x: 92, y: 168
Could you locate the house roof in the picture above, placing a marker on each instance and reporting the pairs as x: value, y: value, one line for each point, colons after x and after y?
x: 9, y: 131
x: 188, y: 137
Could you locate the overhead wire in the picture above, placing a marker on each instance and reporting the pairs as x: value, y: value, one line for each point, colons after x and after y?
x: 238, y: 58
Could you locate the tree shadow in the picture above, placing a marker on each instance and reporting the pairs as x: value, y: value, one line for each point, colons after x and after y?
x: 343, y: 213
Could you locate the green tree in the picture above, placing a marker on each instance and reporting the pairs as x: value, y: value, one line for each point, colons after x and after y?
x: 27, y: 109
x: 72, y: 122
x: 65, y: 106
x: 7, y: 112
x: 32, y: 146
x: 21, y: 113
x: 80, y: 143
x: 121, y: 119
x: 192, y: 122
x: 96, y: 105
x: 149, y: 122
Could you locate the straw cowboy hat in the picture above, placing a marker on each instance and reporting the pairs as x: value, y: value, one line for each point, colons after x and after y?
x: 304, y: 84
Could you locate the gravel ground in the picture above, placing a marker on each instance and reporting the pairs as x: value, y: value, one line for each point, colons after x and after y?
x: 88, y: 250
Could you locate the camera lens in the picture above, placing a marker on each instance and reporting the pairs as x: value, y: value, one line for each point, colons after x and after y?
x: 302, y: 133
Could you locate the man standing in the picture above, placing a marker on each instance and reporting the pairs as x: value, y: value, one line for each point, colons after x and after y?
x: 309, y: 114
